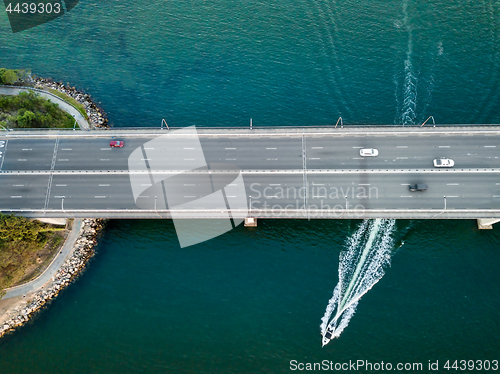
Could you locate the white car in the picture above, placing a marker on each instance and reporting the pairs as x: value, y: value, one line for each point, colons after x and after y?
x: 368, y: 152
x: 2, y: 143
x: 444, y: 163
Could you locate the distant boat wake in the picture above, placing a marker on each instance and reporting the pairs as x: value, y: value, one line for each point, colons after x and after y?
x: 360, y: 267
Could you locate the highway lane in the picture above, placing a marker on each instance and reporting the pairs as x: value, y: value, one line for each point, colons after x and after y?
x: 264, y: 153
x: 26, y: 154
x: 286, y: 190
x: 23, y: 192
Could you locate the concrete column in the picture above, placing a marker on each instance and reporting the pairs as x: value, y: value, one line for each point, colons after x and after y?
x: 250, y: 222
x: 486, y: 223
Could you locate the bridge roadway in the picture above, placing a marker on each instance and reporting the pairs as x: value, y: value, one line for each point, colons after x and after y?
x: 288, y: 173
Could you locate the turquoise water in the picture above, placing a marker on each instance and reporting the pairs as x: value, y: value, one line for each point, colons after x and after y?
x: 252, y: 300
x: 305, y: 63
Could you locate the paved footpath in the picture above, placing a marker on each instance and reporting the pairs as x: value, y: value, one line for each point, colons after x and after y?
x: 67, y: 107
x: 52, y: 269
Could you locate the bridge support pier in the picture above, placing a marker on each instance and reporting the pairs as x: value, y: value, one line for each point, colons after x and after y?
x: 250, y: 222
x: 486, y: 223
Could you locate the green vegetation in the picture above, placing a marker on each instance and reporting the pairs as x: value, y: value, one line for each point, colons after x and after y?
x: 25, y: 248
x: 10, y: 76
x: 70, y: 100
x: 30, y: 110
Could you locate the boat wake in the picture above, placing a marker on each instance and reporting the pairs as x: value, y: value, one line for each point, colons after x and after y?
x: 360, y: 267
x: 410, y: 79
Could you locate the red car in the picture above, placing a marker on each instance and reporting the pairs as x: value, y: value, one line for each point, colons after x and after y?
x: 116, y: 144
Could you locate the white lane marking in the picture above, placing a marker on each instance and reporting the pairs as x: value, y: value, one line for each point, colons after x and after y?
x: 189, y: 159
x: 317, y: 147
x: 231, y: 196
x: 63, y: 159
x: 61, y: 185
x: 271, y: 159
x: 100, y: 197
x: 278, y: 184
x: 444, y: 146
x: 27, y: 149
x: 189, y: 196
x: 402, y: 158
x: 58, y: 197
x: 490, y: 146
x: 496, y: 195
x: 361, y: 184
x: 452, y: 196
x: 15, y: 197
x: 188, y: 184
x: 314, y: 158
x: 406, y: 196
x: 66, y: 149
x: 148, y: 148
x: 402, y: 146
x: 21, y: 159
x: 405, y: 184
x: 18, y: 185
x: 230, y: 148
x: 358, y: 158
x: 142, y: 196
x: 230, y: 159
x: 268, y: 148
x: 452, y: 184
x: 105, y: 149
x: 357, y: 147
x: 318, y: 197
x: 498, y: 184
x: 105, y: 159
x: 104, y: 185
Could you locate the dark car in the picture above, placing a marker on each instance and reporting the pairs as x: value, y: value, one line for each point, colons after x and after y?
x: 116, y: 144
x: 418, y: 187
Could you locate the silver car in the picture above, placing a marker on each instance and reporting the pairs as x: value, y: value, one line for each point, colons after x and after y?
x: 368, y: 152
x: 444, y: 163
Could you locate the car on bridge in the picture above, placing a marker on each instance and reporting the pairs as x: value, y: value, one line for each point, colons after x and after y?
x: 368, y: 152
x: 116, y: 144
x: 418, y: 187
x: 444, y: 163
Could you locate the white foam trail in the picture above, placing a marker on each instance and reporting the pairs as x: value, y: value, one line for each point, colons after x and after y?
x: 359, y: 270
x: 410, y: 82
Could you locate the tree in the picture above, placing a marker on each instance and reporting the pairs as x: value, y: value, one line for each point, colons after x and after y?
x: 8, y: 76
x: 14, y: 228
x: 26, y: 119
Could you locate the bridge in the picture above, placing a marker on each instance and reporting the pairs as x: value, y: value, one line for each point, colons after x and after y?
x: 285, y: 172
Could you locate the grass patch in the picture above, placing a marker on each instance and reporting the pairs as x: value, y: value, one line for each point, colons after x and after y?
x: 70, y: 100
x: 26, y: 248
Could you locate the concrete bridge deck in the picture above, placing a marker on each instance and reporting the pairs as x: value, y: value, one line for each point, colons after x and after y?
x: 287, y: 172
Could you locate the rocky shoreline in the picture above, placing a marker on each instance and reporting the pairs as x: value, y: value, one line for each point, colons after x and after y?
x: 97, y: 116
x: 83, y: 250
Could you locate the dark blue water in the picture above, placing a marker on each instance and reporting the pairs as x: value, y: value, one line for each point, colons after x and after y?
x: 251, y: 300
